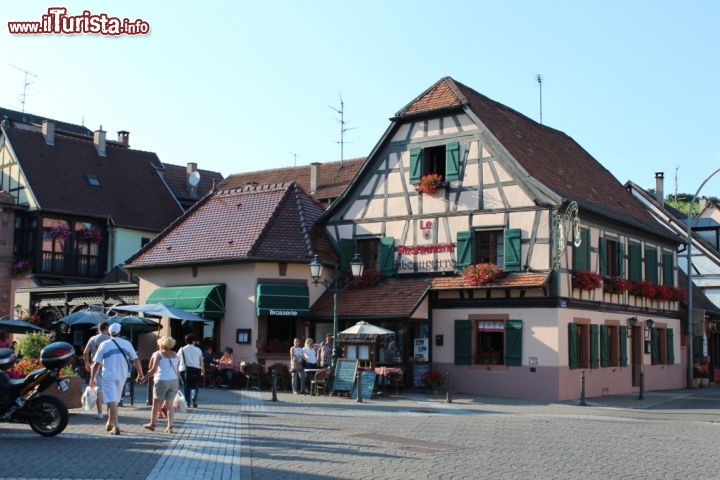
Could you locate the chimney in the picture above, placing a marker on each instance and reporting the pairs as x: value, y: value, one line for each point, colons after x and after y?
x: 314, y: 176
x: 124, y: 137
x: 191, y: 167
x: 660, y: 188
x: 48, y: 131
x: 99, y: 141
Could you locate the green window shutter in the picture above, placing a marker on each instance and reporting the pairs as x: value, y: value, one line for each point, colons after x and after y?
x: 347, y: 252
x: 651, y: 265
x: 635, y: 265
x: 668, y: 270
x: 670, y: 347
x: 654, y: 345
x: 452, y: 161
x: 387, y: 256
x: 463, y: 342
x: 513, y: 343
x: 621, y: 260
x: 572, y: 346
x: 512, y: 249
x: 604, y: 346
x: 415, y: 164
x: 594, y: 360
x: 623, y: 346
x: 581, y: 254
x: 603, y: 251
x: 464, y: 250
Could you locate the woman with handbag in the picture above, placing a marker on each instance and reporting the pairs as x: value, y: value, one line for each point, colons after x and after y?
x: 163, y: 368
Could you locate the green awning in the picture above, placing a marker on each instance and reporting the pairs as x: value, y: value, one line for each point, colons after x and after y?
x: 205, y: 300
x: 283, y: 299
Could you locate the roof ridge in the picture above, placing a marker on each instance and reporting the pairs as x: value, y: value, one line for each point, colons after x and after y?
x: 433, y: 98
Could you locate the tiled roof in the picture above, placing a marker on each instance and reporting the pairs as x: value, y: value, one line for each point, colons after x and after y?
x: 130, y: 190
x: 394, y: 297
x: 333, y: 178
x: 509, y: 280
x: 272, y: 222
x: 550, y: 156
x: 28, y: 118
x: 176, y: 178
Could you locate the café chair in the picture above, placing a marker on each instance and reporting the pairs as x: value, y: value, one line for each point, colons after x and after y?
x: 320, y: 383
x: 253, y: 375
x: 283, y: 375
x: 396, y: 380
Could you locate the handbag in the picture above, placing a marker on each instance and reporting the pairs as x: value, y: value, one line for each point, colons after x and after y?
x: 179, y: 403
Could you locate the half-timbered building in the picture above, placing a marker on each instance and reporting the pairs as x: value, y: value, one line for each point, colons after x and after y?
x: 503, y: 254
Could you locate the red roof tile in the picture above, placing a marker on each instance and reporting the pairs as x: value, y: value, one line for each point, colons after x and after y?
x: 509, y: 280
x: 333, y: 178
x: 395, y: 297
x: 271, y: 222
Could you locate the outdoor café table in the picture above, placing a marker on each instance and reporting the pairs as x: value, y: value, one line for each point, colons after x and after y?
x: 384, y: 372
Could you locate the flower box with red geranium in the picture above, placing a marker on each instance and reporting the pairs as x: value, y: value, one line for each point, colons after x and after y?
x: 481, y: 274
x: 585, y: 280
x: 669, y: 293
x: 616, y: 285
x: 643, y: 288
x: 429, y: 183
x: 433, y: 379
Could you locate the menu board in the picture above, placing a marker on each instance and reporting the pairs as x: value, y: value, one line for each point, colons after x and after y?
x: 344, y: 375
x: 419, y: 370
x: 367, y: 383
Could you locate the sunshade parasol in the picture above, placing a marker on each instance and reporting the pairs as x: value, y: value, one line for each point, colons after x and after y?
x: 83, y: 317
x: 161, y: 310
x: 363, y: 330
x: 132, y: 325
x: 20, y: 326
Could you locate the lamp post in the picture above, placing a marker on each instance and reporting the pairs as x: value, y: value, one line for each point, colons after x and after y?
x: 333, y: 284
x: 690, y: 283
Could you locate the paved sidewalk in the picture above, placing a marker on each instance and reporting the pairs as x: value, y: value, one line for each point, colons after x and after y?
x: 245, y: 435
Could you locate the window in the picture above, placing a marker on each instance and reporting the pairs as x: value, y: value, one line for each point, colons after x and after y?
x: 242, y: 335
x: 634, y: 262
x: 668, y: 269
x: 583, y: 345
x: 441, y: 159
x: 501, y: 247
x: 662, y: 346
x: 581, y: 254
x: 612, y: 258
x: 71, y: 248
x: 367, y: 249
x: 375, y: 253
x: 487, y: 341
x: 610, y: 351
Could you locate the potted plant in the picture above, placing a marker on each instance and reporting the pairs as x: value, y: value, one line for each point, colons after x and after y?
x: 433, y: 380
x: 92, y: 235
x: 616, y: 285
x: 60, y: 231
x: 585, y: 280
x: 429, y: 183
x: 481, y: 274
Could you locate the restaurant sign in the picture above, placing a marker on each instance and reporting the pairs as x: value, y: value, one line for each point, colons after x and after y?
x: 437, y: 257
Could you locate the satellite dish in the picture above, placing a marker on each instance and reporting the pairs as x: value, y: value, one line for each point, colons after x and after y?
x: 194, y: 178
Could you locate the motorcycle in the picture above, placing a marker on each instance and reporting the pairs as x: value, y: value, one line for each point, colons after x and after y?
x: 22, y: 399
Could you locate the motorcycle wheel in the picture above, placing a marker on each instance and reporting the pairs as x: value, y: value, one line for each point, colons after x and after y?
x: 52, y: 416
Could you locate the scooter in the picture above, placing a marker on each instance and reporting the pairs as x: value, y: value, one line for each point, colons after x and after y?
x: 22, y: 399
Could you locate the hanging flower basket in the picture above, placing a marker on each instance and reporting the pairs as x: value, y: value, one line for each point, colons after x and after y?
x: 429, y: 183
x: 61, y: 231
x: 616, y: 285
x: 92, y: 234
x: 585, y: 280
x: 21, y: 266
x: 481, y: 274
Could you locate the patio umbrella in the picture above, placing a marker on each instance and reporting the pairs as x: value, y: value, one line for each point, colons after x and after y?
x: 83, y: 317
x: 363, y: 330
x: 19, y: 326
x: 161, y: 310
x: 133, y: 325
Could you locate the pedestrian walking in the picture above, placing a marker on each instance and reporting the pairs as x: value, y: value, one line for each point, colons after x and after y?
x: 88, y: 355
x: 192, y: 369
x: 113, y: 359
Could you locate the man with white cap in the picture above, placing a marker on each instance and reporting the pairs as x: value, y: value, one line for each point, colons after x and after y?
x: 113, y: 356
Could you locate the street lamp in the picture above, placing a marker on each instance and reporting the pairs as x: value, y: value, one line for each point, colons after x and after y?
x: 690, y: 283
x: 333, y: 284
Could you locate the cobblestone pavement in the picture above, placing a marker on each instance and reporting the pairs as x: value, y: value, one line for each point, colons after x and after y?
x: 245, y: 435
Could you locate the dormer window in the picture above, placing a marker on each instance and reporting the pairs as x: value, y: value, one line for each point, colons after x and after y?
x: 93, y: 180
x: 443, y: 160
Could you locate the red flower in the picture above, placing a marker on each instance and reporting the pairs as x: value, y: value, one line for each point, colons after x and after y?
x: 433, y: 379
x: 643, y: 288
x: 481, y: 274
x: 429, y: 183
x: 616, y: 285
x: 585, y: 280
x: 23, y: 367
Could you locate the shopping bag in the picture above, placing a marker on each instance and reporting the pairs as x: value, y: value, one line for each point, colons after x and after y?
x: 179, y: 404
x: 89, y: 397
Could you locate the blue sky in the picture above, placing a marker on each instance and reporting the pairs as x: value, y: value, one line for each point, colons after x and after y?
x: 240, y: 86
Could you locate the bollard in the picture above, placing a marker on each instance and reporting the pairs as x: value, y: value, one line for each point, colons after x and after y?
x: 274, y: 385
x: 582, y: 390
x: 359, y: 386
x: 448, y: 398
x: 642, y: 386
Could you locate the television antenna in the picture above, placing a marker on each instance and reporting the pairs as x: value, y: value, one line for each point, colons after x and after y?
x: 295, y: 157
x: 26, y: 83
x: 343, y: 128
x: 539, y: 81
